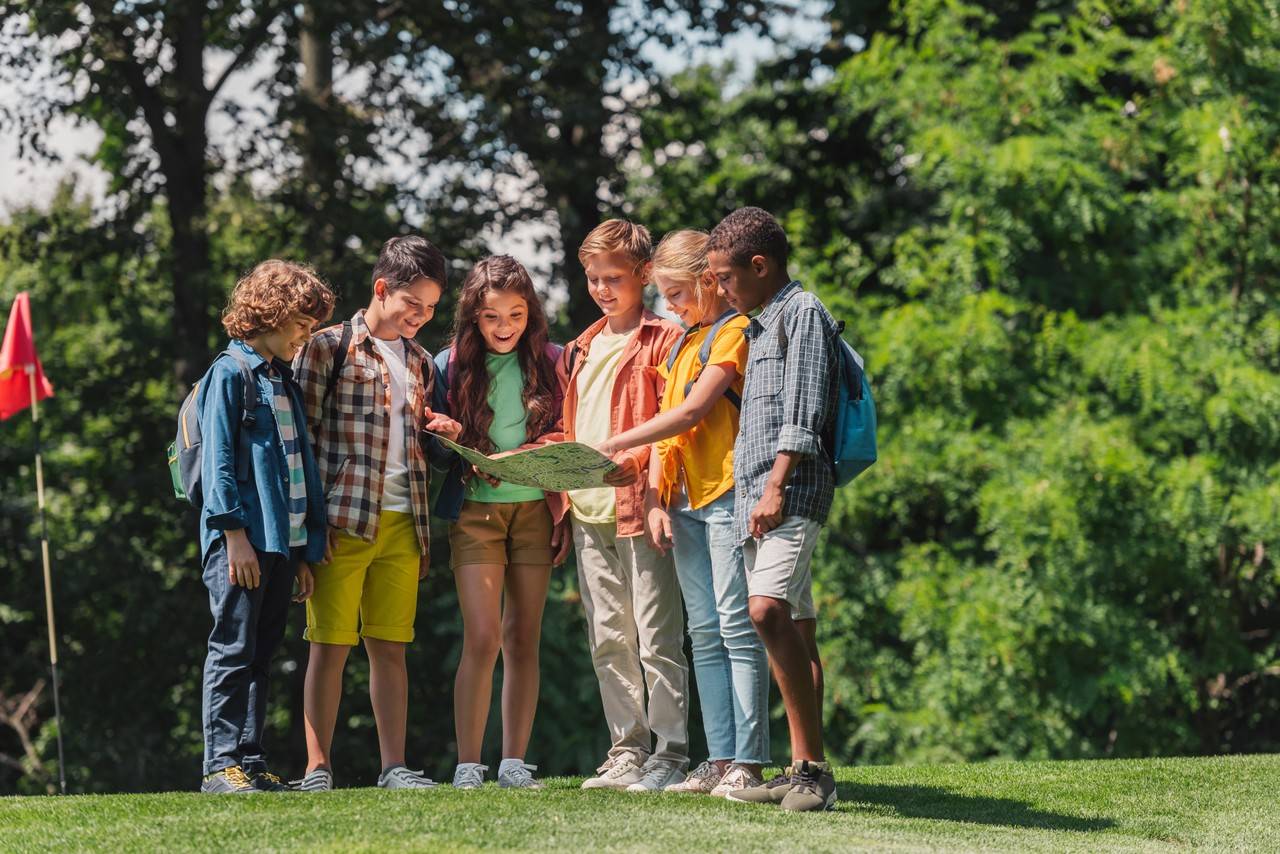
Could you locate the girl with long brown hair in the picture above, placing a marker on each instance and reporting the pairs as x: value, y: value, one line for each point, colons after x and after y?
x: 498, y: 380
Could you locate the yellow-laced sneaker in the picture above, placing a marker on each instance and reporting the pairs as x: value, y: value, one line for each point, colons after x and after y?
x: 229, y: 781
x: 265, y: 781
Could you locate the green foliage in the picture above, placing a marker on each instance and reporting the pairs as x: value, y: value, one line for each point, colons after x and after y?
x: 1054, y: 241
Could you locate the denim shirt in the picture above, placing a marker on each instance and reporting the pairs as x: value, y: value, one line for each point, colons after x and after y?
x: 259, y: 504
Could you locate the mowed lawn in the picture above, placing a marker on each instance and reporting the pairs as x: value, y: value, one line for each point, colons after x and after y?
x: 1218, y: 803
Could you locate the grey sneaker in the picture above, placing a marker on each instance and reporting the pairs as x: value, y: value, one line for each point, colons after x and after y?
x: 400, y: 777
x: 771, y: 792
x: 229, y: 781
x: 616, y: 773
x: 813, y: 787
x: 701, y: 781
x: 657, y: 775
x: 469, y: 775
x: 735, y: 779
x: 514, y: 774
x: 319, y: 780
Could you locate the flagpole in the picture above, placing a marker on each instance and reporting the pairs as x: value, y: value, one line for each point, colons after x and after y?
x: 48, y: 577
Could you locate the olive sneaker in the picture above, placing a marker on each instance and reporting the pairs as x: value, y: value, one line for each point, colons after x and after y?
x: 771, y: 792
x: 813, y: 787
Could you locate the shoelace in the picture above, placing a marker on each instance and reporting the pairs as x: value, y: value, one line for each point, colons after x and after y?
x: 737, y: 777
x: 271, y: 778
x: 520, y: 774
x: 805, y: 777
x: 237, y: 777
x: 655, y: 774
x: 618, y: 769
x: 705, y: 771
x: 473, y: 776
x: 781, y: 779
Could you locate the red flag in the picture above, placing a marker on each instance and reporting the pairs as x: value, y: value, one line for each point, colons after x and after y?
x: 19, y: 352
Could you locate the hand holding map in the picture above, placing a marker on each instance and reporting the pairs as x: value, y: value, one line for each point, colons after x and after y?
x: 557, y: 467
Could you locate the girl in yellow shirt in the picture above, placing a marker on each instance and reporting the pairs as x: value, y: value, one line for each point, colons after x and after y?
x: 689, y: 509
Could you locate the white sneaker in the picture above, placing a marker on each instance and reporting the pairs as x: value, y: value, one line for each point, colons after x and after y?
x: 735, y: 779
x: 701, y: 781
x: 469, y: 775
x: 616, y: 773
x: 319, y: 780
x: 514, y: 774
x: 657, y: 776
x: 401, y: 777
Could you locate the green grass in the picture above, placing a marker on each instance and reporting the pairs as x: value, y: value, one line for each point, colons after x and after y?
x: 1215, y: 803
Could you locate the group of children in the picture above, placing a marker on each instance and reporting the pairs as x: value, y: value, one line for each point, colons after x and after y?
x: 720, y: 433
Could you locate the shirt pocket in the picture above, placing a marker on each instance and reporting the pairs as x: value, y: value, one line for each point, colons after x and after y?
x: 359, y: 389
x: 765, y: 376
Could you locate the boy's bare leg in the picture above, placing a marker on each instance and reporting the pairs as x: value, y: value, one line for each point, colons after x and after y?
x: 321, y: 693
x: 809, y: 631
x: 389, y: 695
x: 521, y: 637
x: 480, y: 598
x: 792, y: 665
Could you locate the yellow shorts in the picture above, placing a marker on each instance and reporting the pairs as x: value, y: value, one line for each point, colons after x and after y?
x: 369, y: 586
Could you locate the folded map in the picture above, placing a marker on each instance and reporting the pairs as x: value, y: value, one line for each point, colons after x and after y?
x: 558, y: 467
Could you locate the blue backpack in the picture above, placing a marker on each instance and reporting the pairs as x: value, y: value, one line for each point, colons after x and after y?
x: 853, y: 445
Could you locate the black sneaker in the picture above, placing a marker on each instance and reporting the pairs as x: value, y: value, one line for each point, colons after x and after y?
x: 265, y: 781
x: 813, y: 787
x: 229, y: 781
x: 770, y: 792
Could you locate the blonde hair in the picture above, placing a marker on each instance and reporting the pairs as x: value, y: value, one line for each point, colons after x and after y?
x: 272, y: 291
x: 682, y: 255
x: 618, y: 235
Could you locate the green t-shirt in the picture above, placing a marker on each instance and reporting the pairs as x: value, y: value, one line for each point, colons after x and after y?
x: 508, y: 430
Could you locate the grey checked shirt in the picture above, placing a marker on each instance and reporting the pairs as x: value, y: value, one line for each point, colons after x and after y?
x: 788, y: 399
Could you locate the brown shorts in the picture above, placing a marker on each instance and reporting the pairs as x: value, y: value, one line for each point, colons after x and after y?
x: 501, y: 534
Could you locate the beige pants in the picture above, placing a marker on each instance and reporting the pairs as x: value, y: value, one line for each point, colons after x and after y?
x: 636, y: 633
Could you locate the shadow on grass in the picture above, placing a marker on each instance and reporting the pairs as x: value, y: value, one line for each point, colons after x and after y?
x: 936, y: 803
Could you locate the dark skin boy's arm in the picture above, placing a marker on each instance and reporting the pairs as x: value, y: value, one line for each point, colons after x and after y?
x: 767, y: 514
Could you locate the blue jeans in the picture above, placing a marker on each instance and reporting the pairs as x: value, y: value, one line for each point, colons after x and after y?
x: 248, y: 625
x: 729, y: 661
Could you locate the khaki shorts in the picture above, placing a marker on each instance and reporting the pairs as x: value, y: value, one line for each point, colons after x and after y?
x: 372, y: 587
x: 778, y: 565
x: 501, y: 534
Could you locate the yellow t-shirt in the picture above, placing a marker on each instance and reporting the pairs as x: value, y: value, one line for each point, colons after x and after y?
x: 595, y: 421
x: 703, y: 456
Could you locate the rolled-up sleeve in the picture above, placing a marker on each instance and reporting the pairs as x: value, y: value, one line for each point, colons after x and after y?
x: 807, y: 378
x: 219, y: 422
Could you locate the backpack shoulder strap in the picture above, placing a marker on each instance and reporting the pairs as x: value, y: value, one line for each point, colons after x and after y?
x: 248, y: 417
x: 339, y: 359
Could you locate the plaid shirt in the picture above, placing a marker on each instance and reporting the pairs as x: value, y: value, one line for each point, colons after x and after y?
x: 788, y: 400
x: 350, y: 434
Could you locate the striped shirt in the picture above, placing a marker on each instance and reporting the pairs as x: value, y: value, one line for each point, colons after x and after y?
x: 788, y: 401
x: 296, y: 493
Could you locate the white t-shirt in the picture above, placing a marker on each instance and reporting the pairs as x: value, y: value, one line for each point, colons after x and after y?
x: 395, y: 481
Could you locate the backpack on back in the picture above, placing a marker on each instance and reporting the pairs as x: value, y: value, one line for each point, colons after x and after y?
x: 184, y: 452
x: 853, y: 446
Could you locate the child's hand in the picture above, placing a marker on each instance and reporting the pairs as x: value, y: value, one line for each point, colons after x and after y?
x: 767, y: 513
x: 658, y: 527
x: 242, y: 560
x: 306, y: 582
x: 490, y: 479
x: 442, y: 424
x: 627, y: 472
x: 606, y: 448
x: 561, y: 540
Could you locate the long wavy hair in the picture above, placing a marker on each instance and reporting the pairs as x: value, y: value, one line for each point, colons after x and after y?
x: 469, y: 376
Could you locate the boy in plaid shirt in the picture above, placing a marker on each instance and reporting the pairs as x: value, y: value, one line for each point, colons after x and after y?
x: 366, y: 422
x: 785, y: 480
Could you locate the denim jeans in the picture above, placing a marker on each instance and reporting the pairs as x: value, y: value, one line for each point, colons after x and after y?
x: 729, y: 660
x: 248, y: 625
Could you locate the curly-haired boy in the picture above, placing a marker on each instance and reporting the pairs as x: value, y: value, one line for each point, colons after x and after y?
x: 262, y: 520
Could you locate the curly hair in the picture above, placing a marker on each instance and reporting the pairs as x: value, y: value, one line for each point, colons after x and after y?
x: 270, y: 294
x: 618, y: 235
x: 747, y: 232
x: 469, y: 376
